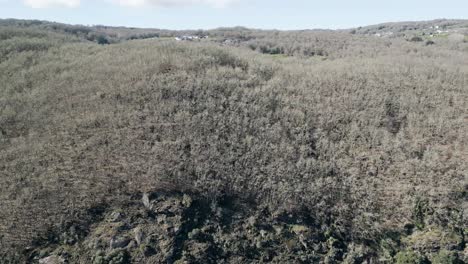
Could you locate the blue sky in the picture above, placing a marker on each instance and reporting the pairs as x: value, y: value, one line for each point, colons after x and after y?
x: 205, y: 14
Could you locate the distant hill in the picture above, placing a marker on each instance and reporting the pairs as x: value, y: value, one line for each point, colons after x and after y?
x: 417, y: 27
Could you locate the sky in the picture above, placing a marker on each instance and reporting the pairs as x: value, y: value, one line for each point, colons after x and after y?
x: 208, y: 14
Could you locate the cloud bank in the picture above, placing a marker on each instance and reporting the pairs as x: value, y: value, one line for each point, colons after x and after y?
x: 172, y: 3
x: 52, y: 3
x: 131, y: 3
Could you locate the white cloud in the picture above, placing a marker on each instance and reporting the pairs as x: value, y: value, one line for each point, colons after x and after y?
x: 52, y: 3
x: 172, y: 3
x: 129, y: 3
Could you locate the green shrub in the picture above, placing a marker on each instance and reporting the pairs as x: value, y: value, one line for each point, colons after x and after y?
x: 430, y: 42
x: 102, y: 40
x: 446, y: 257
x: 409, y: 257
x: 420, y: 211
x: 416, y: 39
x: 223, y: 58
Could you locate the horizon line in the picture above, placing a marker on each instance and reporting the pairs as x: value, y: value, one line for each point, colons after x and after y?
x: 241, y: 26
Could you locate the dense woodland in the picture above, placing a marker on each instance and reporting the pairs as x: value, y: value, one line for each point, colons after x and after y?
x: 354, y: 143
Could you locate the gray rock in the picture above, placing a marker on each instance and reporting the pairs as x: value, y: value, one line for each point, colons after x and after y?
x: 52, y: 260
x: 115, y: 217
x: 146, y: 201
x: 132, y: 245
x: 187, y: 200
x: 138, y: 235
x: 119, y: 242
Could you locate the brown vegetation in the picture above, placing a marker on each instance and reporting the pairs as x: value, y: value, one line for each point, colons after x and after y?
x: 357, y: 139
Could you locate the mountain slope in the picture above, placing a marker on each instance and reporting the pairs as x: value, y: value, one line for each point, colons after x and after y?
x: 364, y: 149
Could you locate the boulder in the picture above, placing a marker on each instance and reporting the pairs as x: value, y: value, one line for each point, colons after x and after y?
x: 119, y: 242
x: 52, y: 260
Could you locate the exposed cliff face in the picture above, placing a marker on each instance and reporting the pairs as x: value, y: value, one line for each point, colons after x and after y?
x: 185, y: 228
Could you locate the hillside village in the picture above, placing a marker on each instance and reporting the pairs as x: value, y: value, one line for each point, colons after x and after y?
x: 190, y: 38
x: 432, y: 29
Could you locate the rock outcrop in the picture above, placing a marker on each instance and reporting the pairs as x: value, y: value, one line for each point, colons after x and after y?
x: 172, y: 227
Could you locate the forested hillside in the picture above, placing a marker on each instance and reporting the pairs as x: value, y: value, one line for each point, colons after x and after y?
x: 247, y: 146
